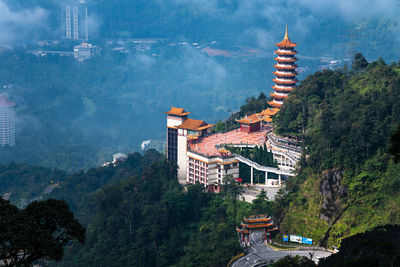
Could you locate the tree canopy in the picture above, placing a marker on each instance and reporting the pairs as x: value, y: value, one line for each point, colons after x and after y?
x: 40, y: 231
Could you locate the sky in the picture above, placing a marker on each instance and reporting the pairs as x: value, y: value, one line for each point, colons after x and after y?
x: 20, y: 21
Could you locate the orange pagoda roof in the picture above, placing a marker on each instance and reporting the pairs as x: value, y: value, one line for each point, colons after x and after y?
x: 293, y: 52
x: 285, y: 82
x: 278, y: 96
x: 285, y: 75
x: 195, y: 125
x: 291, y: 67
x: 254, y: 118
x: 274, y: 105
x: 284, y: 90
x: 177, y: 112
x: 286, y: 41
x: 291, y: 59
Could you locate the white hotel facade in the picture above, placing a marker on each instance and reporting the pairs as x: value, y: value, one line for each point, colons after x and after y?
x: 7, y: 121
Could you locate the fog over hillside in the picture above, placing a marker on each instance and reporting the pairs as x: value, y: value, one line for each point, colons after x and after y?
x: 209, y: 56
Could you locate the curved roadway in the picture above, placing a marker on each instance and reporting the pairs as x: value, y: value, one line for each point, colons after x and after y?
x: 260, y: 254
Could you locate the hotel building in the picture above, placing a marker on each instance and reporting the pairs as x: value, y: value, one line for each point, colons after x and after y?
x: 7, y: 121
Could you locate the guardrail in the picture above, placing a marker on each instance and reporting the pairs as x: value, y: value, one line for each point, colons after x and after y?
x: 234, y: 259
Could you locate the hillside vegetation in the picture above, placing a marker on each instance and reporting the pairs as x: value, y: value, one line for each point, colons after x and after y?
x: 348, y: 182
x: 136, y: 214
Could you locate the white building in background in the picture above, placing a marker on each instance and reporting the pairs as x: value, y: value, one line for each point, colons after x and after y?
x: 7, y: 121
x: 85, y: 51
x: 79, y: 20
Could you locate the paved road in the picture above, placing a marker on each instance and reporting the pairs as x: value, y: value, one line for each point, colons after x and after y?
x: 259, y: 253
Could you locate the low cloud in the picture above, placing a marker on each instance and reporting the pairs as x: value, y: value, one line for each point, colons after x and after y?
x: 20, y: 25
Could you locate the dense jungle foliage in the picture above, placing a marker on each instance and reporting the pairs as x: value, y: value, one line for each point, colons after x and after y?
x: 348, y: 183
x: 136, y: 214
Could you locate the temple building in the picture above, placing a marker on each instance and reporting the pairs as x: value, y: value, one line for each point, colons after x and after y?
x: 202, y: 155
x: 258, y: 121
x: 256, y: 223
x: 285, y: 73
x: 7, y: 121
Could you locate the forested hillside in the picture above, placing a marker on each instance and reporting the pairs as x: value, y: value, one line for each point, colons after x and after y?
x: 136, y: 214
x: 149, y: 220
x: 348, y: 182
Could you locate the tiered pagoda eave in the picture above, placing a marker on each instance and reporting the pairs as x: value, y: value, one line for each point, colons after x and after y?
x: 285, y: 73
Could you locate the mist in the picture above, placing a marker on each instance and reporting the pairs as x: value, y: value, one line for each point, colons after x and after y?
x: 207, y: 57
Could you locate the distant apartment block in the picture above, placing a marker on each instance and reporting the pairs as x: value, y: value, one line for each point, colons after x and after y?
x: 7, y: 121
x: 85, y: 51
x: 79, y: 20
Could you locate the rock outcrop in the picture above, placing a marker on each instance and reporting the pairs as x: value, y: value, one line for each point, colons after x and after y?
x: 333, y: 194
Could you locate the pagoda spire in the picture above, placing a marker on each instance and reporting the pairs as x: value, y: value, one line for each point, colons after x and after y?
x: 286, y: 34
x: 285, y: 73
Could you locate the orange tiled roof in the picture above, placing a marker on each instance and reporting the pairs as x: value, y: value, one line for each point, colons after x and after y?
x: 278, y: 96
x: 293, y: 52
x: 269, y: 111
x: 250, y: 226
x: 286, y: 74
x: 291, y: 67
x: 274, y: 105
x: 257, y: 219
x: 283, y: 89
x: 289, y: 59
x: 292, y: 81
x: 267, y: 119
x: 194, y: 125
x: 253, y: 118
x: 286, y: 41
x: 177, y: 112
x: 223, y: 150
x: 205, y: 127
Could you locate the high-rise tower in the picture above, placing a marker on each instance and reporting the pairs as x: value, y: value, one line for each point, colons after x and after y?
x: 79, y: 20
x: 285, y: 73
x: 7, y: 121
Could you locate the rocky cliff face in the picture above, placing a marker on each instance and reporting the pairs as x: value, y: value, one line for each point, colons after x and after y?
x: 333, y: 194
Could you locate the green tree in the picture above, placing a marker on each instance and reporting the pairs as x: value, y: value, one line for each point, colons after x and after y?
x: 359, y: 62
x: 261, y: 204
x: 394, y: 148
x: 232, y: 190
x: 40, y: 231
x: 295, y: 261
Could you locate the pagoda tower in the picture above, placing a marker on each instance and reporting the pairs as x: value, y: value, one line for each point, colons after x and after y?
x: 285, y: 73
